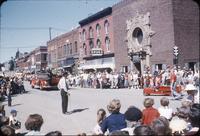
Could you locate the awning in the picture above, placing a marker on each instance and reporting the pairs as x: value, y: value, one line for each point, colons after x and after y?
x: 67, y: 66
x: 98, y: 66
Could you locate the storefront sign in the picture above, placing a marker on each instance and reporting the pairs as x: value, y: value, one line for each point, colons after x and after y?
x: 97, y: 52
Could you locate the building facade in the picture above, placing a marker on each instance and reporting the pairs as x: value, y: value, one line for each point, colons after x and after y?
x: 96, y: 42
x: 146, y: 31
x: 40, y: 59
x: 63, y: 52
x: 36, y: 60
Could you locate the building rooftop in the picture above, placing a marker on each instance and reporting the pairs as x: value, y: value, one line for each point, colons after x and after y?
x: 98, y: 15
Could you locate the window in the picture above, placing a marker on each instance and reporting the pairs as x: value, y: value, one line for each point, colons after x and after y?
x: 90, y: 32
x: 76, y: 47
x: 85, y: 49
x: 106, y: 25
x: 107, y: 43
x: 43, y: 57
x: 137, y: 35
x: 49, y: 58
x: 91, y: 44
x: 70, y: 48
x: 98, y: 43
x: 84, y: 35
x: 98, y: 28
x: 65, y: 50
x: 80, y: 39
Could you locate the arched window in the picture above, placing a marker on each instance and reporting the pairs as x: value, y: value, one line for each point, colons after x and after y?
x: 107, y: 43
x: 75, y: 47
x: 106, y: 25
x: 85, y: 49
x: 90, y: 32
x: 70, y: 48
x: 98, y: 28
x: 65, y: 50
x: 80, y: 38
x: 91, y: 44
x: 84, y: 35
x: 98, y: 43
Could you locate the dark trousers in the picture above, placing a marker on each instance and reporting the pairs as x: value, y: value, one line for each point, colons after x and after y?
x: 9, y: 100
x: 64, y: 98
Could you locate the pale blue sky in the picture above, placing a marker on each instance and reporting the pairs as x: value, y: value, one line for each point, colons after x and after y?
x: 25, y: 23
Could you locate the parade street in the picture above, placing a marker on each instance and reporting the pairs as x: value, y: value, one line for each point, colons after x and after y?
x: 84, y: 102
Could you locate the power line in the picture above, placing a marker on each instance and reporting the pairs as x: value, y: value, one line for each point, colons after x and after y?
x: 61, y: 0
x: 32, y: 28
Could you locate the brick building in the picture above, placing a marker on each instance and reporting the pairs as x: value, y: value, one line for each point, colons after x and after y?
x: 40, y: 59
x: 36, y: 60
x: 96, y: 41
x: 145, y: 32
x: 63, y: 51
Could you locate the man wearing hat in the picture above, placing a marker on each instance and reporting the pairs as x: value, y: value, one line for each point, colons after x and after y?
x: 64, y: 91
x: 192, y: 92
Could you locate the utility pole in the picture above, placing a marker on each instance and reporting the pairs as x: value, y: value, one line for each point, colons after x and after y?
x: 50, y: 33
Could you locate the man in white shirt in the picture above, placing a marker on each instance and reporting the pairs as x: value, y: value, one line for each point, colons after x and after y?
x: 64, y: 91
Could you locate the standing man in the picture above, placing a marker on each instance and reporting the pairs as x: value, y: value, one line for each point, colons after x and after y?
x: 64, y: 88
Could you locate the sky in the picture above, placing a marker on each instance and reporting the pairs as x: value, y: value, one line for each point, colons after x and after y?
x: 24, y: 24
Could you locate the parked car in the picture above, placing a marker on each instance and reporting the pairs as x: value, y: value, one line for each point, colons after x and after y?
x: 162, y: 90
x: 44, y: 81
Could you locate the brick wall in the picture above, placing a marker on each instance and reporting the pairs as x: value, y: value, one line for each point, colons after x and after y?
x: 186, y: 29
x: 161, y: 20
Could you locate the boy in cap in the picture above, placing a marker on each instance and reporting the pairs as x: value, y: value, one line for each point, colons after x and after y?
x: 133, y: 117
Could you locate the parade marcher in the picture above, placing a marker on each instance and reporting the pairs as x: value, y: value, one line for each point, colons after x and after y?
x: 173, y: 78
x: 64, y: 90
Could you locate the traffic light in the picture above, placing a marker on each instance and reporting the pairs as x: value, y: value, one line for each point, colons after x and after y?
x: 175, y: 51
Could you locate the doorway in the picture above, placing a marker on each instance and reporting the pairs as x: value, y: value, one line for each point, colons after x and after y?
x: 138, y: 67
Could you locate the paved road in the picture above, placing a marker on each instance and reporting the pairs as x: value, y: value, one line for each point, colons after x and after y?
x: 85, y: 101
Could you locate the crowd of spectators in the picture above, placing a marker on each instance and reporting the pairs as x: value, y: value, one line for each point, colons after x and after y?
x: 131, y: 79
x: 11, y: 85
x: 134, y: 121
x: 150, y: 120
